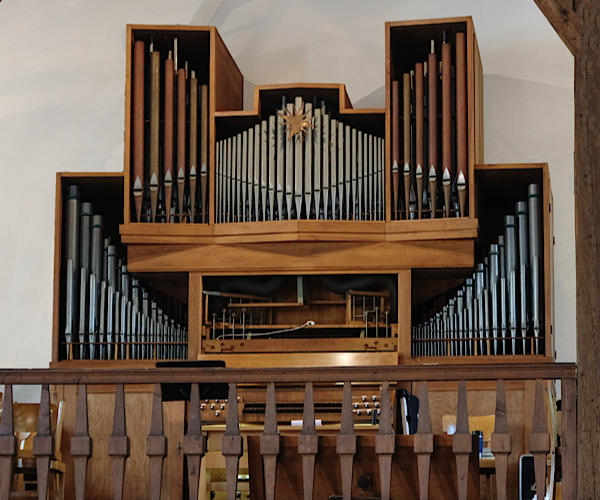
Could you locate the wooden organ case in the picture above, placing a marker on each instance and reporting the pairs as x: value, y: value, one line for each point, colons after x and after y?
x: 302, y: 232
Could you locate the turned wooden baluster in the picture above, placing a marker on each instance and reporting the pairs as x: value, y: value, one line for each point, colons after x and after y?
x: 500, y: 445
x: 539, y: 439
x: 462, y: 442
x: 194, y: 442
x: 43, y: 444
x: 8, y: 443
x: 269, y: 443
x: 81, y: 443
x: 568, y: 437
x: 156, y: 444
x: 118, y: 444
x: 346, y: 442
x: 385, y: 442
x: 423, y: 442
x: 231, y: 446
x: 308, y: 442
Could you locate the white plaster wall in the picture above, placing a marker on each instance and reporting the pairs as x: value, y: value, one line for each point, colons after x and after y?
x: 62, y: 98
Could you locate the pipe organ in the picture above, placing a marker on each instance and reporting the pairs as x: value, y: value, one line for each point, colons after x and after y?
x: 304, y: 231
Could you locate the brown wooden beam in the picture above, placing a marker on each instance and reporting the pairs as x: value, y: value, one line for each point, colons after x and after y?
x: 565, y: 21
x: 587, y: 240
x: 396, y: 373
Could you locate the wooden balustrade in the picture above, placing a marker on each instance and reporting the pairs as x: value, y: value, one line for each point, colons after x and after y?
x: 347, y: 443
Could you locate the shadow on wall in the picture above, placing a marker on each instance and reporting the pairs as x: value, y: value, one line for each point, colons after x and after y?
x: 527, y: 121
x: 374, y: 99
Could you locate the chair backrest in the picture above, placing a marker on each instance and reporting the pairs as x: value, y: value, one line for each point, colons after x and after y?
x: 25, y: 417
x: 483, y: 423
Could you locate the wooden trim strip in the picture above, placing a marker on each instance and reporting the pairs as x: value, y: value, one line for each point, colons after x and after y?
x: 96, y: 376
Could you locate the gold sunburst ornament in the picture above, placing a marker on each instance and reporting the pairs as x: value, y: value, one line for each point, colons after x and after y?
x: 296, y: 122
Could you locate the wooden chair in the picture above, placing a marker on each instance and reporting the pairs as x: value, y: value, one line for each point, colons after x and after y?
x: 25, y: 417
x: 483, y: 423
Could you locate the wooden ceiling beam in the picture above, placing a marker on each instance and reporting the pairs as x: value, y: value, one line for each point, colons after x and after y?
x: 564, y: 19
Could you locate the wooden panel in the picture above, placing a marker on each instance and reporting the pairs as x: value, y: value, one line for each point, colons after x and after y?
x: 404, y: 314
x: 138, y: 410
x: 127, y: 133
x: 301, y: 359
x: 56, y: 302
x: 306, y: 258
x: 548, y: 242
x: 299, y: 345
x: 404, y: 470
x: 195, y: 305
x: 228, y: 83
x: 300, y: 230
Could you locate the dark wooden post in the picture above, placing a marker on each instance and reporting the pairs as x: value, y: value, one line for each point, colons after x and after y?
x: 501, y: 441
x: 156, y: 444
x: 462, y: 443
x: 346, y: 442
x: 194, y: 442
x: 8, y: 444
x: 385, y: 442
x: 43, y: 443
x: 81, y: 443
x: 423, y: 442
x: 587, y: 233
x: 118, y: 444
x: 577, y: 22
x: 269, y: 443
x: 232, y: 444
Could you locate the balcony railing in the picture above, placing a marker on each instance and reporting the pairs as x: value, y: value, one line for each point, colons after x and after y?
x: 308, y: 442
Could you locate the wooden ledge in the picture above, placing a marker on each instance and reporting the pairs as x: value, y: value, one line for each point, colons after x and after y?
x: 299, y: 230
